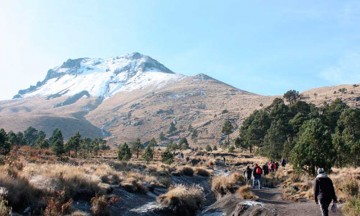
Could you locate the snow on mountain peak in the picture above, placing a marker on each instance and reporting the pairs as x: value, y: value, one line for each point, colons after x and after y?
x: 102, y: 77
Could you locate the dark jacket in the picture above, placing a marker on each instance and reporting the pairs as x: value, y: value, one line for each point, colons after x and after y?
x: 248, y: 172
x: 324, y: 189
x: 257, y: 176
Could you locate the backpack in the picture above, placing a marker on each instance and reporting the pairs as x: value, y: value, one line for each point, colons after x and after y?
x: 258, y: 170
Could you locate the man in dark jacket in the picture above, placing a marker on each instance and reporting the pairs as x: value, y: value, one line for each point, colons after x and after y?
x: 324, y: 191
x: 247, y: 174
x: 257, y: 175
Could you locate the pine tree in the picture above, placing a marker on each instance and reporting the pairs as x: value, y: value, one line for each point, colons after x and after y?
x: 172, y: 128
x: 167, y: 157
x: 148, y: 154
x: 4, y: 144
x: 208, y: 148
x: 136, y: 147
x: 183, y: 144
x: 74, y: 143
x: 227, y: 130
x: 124, y: 152
x: 57, y: 142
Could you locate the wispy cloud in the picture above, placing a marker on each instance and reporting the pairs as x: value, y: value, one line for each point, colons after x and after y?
x: 346, y: 70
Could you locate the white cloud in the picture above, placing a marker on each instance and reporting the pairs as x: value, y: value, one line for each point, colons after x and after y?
x: 347, y: 70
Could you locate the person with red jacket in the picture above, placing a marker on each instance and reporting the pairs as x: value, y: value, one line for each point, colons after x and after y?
x: 257, y: 176
x: 324, y: 191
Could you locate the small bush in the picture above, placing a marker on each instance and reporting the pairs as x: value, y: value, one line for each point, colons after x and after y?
x: 222, y: 185
x: 352, y: 207
x: 183, y: 200
x: 58, y: 205
x: 245, y: 193
x: 99, y: 206
x: 351, y: 188
x: 188, y: 171
x: 202, y: 172
x: 4, y: 208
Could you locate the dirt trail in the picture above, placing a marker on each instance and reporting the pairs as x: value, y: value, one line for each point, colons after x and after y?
x: 272, y: 196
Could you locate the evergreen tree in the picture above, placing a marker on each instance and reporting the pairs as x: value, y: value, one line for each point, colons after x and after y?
x: 183, y: 144
x: 152, y: 144
x: 162, y: 136
x: 227, y: 130
x: 20, y: 139
x: 148, y: 154
x: 314, y: 147
x: 171, y: 146
x: 57, y: 142
x: 292, y: 96
x: 136, y: 147
x: 41, y: 141
x: 347, y: 138
x: 208, y: 148
x: 12, y: 138
x: 30, y: 135
x: 4, y: 144
x: 74, y: 143
x: 124, y: 153
x: 172, y: 128
x: 275, y: 139
x: 167, y: 157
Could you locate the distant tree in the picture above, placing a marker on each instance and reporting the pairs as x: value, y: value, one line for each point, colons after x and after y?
x: 12, y: 138
x: 136, y: 147
x: 215, y: 148
x: 172, y: 128
x: 167, y: 157
x: 227, y: 130
x: 331, y: 113
x: 240, y: 143
x: 194, y: 134
x: 190, y: 128
x: 57, y: 142
x: 291, y: 96
x: 30, y: 135
x: 347, y: 138
x: 231, y: 148
x: 148, y: 154
x: 20, y: 139
x: 314, y: 147
x: 162, y: 136
x: 208, y: 148
x: 152, y: 144
x: 171, y: 146
x: 275, y: 139
x: 74, y: 143
x: 41, y: 141
x: 124, y: 152
x: 4, y: 144
x: 183, y: 144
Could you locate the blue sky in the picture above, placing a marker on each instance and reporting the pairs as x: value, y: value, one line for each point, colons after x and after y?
x: 265, y: 47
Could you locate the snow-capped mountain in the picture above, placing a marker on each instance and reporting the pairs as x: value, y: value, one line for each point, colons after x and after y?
x: 102, y: 77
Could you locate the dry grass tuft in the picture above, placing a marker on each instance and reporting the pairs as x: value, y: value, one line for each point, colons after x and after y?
x: 186, y: 170
x: 221, y: 185
x: 183, y: 200
x: 99, y: 206
x: 245, y: 192
x: 202, y: 172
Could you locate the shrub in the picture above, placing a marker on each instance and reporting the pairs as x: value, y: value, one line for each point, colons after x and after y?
x: 99, y: 206
x: 352, y: 207
x: 245, y: 193
x: 222, y: 185
x: 208, y: 148
x: 202, y: 172
x: 4, y: 208
x: 124, y: 152
x: 58, y: 205
x: 188, y: 171
x: 231, y: 149
x: 183, y: 200
x: 351, y: 188
x: 167, y: 157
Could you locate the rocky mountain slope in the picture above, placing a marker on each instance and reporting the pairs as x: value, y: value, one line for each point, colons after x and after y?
x: 134, y: 96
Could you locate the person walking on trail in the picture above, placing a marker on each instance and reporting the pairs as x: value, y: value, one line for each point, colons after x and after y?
x: 257, y: 176
x: 265, y: 169
x: 324, y: 191
x: 248, y: 174
x: 283, y: 162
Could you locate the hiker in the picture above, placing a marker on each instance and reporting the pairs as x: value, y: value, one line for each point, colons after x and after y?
x: 265, y: 169
x: 324, y: 191
x: 276, y: 166
x: 257, y: 175
x: 247, y: 174
x: 283, y: 162
x: 271, y: 166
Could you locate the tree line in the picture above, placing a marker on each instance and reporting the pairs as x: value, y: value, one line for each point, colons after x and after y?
x: 37, y: 139
x: 307, y: 135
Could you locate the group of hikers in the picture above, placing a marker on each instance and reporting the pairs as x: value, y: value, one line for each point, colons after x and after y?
x: 255, y: 174
x: 324, y: 191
